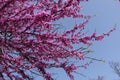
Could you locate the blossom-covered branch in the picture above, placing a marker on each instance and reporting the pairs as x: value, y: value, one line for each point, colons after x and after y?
x: 29, y: 40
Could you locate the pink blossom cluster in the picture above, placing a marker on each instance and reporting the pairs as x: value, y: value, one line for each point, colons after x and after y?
x: 28, y: 39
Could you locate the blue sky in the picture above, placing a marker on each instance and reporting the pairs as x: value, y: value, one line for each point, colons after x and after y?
x: 107, y: 15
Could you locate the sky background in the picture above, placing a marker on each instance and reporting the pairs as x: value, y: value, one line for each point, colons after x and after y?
x: 107, y: 15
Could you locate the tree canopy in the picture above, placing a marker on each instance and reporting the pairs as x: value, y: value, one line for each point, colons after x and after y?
x: 30, y: 42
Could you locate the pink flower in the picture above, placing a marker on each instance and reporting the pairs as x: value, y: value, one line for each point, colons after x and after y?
x: 42, y: 16
x: 73, y: 67
x: 99, y: 37
x: 87, y: 37
x: 80, y: 55
x: 83, y: 40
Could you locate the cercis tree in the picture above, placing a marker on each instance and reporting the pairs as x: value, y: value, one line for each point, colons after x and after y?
x: 30, y: 42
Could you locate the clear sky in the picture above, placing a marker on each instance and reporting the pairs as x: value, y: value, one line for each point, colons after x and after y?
x: 107, y: 15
